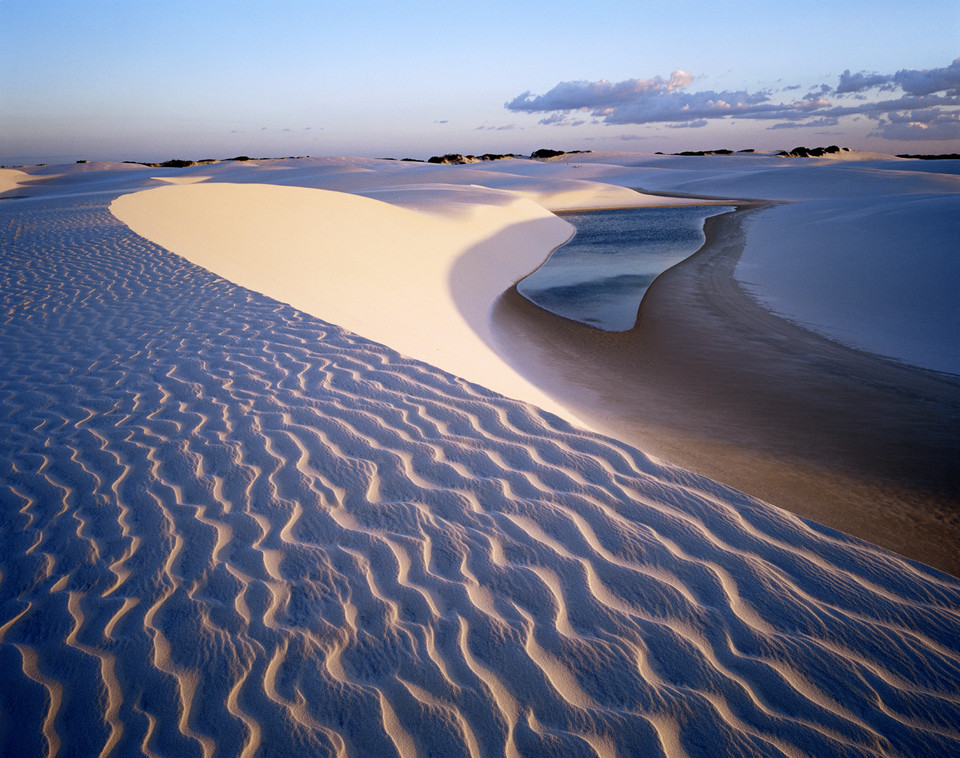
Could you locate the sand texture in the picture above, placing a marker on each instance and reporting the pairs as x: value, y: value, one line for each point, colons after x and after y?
x: 231, y: 528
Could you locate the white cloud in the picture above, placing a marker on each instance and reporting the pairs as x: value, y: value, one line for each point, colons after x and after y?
x: 826, y: 121
x: 679, y: 80
x: 554, y: 119
x: 931, y: 96
x: 559, y: 119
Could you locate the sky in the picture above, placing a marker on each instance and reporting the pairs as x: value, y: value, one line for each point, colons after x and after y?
x: 159, y: 79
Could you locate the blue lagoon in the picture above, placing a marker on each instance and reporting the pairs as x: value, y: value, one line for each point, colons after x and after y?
x: 600, y: 276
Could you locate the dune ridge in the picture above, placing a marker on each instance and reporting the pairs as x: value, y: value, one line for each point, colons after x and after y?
x: 333, y: 254
x: 231, y: 527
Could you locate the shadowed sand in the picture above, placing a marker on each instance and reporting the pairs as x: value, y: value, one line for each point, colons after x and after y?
x: 713, y: 382
x: 708, y: 380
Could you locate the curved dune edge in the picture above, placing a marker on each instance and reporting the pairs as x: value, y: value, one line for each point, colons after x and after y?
x: 369, y: 266
x: 386, y: 263
x: 10, y: 179
x: 229, y: 527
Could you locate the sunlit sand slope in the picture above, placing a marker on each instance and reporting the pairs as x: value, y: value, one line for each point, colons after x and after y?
x: 230, y: 528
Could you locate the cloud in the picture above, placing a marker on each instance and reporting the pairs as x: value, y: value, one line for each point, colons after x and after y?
x: 930, y: 96
x: 919, y: 125
x: 860, y: 82
x: 555, y: 119
x: 558, y: 119
x: 825, y: 121
x: 568, y: 96
x: 934, y: 80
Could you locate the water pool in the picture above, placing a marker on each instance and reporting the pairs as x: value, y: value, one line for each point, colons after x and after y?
x: 600, y: 276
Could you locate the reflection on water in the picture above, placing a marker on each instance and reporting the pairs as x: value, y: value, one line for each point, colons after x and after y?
x: 600, y: 276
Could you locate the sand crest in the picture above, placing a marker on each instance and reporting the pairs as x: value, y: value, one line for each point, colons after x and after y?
x: 370, y: 266
x: 10, y: 179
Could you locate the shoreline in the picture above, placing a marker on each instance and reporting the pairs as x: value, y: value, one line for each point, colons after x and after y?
x: 711, y: 381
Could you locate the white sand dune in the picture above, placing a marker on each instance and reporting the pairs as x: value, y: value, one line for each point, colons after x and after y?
x: 804, y: 262
x: 372, y: 267
x: 230, y: 527
x: 422, y: 277
x: 11, y: 178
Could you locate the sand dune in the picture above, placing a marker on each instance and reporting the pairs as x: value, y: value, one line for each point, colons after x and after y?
x: 11, y: 178
x: 234, y: 528
x: 709, y: 379
x: 372, y: 267
x: 429, y: 261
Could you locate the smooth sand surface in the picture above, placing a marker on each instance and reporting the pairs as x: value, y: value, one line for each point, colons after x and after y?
x: 372, y: 267
x: 10, y: 179
x: 232, y: 528
x: 414, y: 266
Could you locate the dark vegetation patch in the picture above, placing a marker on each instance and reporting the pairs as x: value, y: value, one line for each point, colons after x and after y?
x: 180, y: 163
x: 172, y: 163
x: 541, y: 154
x: 544, y: 153
x: 455, y: 159
x: 722, y: 151
x: 941, y: 157
x: 812, y: 152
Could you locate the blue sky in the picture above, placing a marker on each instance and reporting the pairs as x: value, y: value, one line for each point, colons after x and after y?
x: 150, y: 80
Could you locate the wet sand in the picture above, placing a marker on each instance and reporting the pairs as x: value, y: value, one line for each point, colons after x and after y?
x: 710, y: 381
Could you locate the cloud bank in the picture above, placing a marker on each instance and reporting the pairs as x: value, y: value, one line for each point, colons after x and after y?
x: 906, y: 105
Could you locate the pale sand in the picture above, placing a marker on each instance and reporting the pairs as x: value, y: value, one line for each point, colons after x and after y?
x: 369, y: 266
x: 714, y: 383
x: 231, y: 528
x: 11, y: 179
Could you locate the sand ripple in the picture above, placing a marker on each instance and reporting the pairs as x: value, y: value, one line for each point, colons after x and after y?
x: 230, y: 528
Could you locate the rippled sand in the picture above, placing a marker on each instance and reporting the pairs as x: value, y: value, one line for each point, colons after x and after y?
x: 231, y: 528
